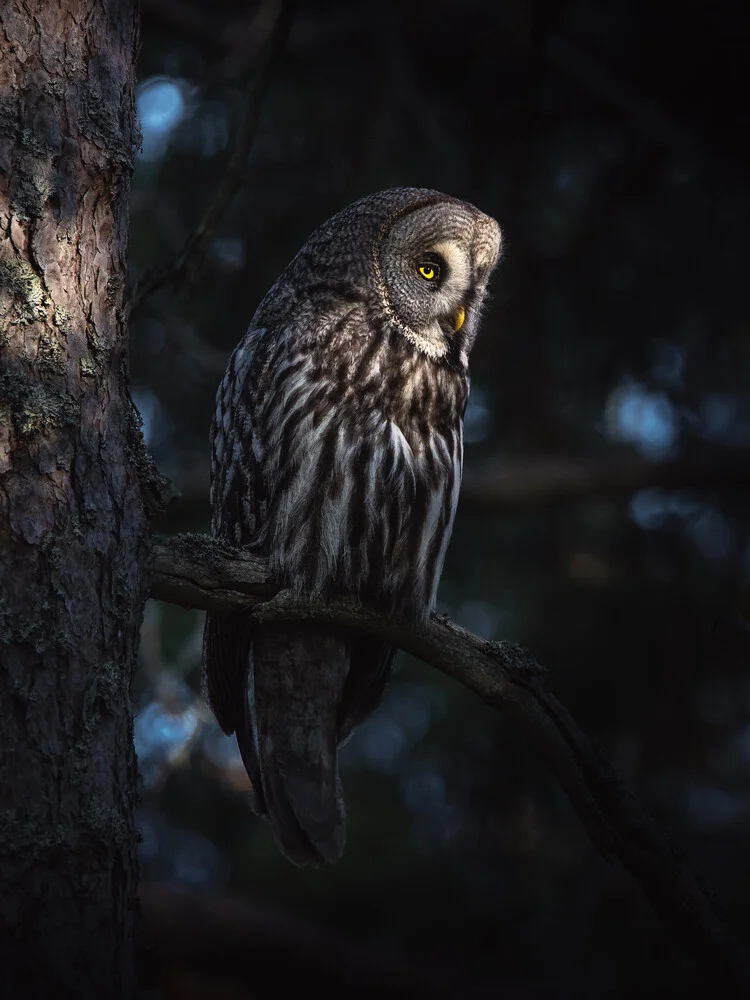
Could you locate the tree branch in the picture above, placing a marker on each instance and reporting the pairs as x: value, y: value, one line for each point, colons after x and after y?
x: 194, y: 571
x: 526, y: 483
x: 228, y: 38
x: 192, y: 254
x: 547, y: 479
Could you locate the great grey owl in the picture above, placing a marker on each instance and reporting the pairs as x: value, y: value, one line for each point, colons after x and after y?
x: 337, y: 453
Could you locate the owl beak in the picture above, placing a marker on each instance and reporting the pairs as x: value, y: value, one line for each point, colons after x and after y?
x: 458, y: 319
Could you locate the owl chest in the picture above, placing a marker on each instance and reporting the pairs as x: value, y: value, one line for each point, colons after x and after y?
x: 417, y: 394
x: 363, y: 487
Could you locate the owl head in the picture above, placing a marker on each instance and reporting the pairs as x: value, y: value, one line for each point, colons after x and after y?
x: 432, y: 259
x: 418, y: 259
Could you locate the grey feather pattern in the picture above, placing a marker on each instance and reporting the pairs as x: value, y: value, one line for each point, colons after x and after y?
x: 337, y: 452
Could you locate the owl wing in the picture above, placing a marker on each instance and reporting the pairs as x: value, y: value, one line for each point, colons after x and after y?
x: 290, y: 694
x: 238, y: 508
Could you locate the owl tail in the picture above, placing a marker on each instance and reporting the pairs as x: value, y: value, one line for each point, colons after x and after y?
x: 289, y: 740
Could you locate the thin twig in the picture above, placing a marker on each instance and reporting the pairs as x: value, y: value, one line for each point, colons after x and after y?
x: 510, y: 485
x: 193, y: 571
x: 539, y: 480
x: 189, y: 259
x: 227, y: 39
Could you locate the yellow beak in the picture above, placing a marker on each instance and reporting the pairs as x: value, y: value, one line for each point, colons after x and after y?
x: 458, y: 319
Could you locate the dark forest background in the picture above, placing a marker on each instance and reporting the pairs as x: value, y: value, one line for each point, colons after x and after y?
x: 604, y: 524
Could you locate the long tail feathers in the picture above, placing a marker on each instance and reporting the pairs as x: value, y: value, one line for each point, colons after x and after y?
x: 292, y: 695
x: 289, y: 738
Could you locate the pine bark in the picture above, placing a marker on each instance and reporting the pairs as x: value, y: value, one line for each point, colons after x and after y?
x: 73, y: 530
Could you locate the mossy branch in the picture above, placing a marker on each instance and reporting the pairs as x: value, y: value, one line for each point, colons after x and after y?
x: 197, y: 572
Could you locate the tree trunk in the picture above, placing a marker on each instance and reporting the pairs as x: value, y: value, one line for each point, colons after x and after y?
x: 73, y: 530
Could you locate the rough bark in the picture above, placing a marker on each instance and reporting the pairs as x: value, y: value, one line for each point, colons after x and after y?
x: 73, y: 531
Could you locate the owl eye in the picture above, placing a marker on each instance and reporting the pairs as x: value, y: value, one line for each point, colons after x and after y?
x: 429, y: 270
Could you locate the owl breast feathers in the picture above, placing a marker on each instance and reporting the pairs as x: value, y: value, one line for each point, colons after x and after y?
x: 337, y: 453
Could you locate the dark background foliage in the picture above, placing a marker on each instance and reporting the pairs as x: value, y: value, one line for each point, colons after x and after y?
x: 610, y: 141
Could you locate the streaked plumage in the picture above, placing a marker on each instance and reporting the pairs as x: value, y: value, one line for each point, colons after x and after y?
x: 337, y: 452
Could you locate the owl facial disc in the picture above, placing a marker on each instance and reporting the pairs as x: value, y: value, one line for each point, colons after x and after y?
x: 432, y: 264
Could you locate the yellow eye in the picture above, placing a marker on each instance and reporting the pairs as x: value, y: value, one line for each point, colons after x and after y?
x: 430, y: 270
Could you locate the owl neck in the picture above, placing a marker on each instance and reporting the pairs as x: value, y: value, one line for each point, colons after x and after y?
x: 434, y: 346
x: 433, y: 343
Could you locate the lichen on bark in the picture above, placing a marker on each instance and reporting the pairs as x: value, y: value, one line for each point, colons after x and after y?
x: 73, y: 524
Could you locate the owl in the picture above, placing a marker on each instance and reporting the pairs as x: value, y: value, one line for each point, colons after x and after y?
x: 337, y: 452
